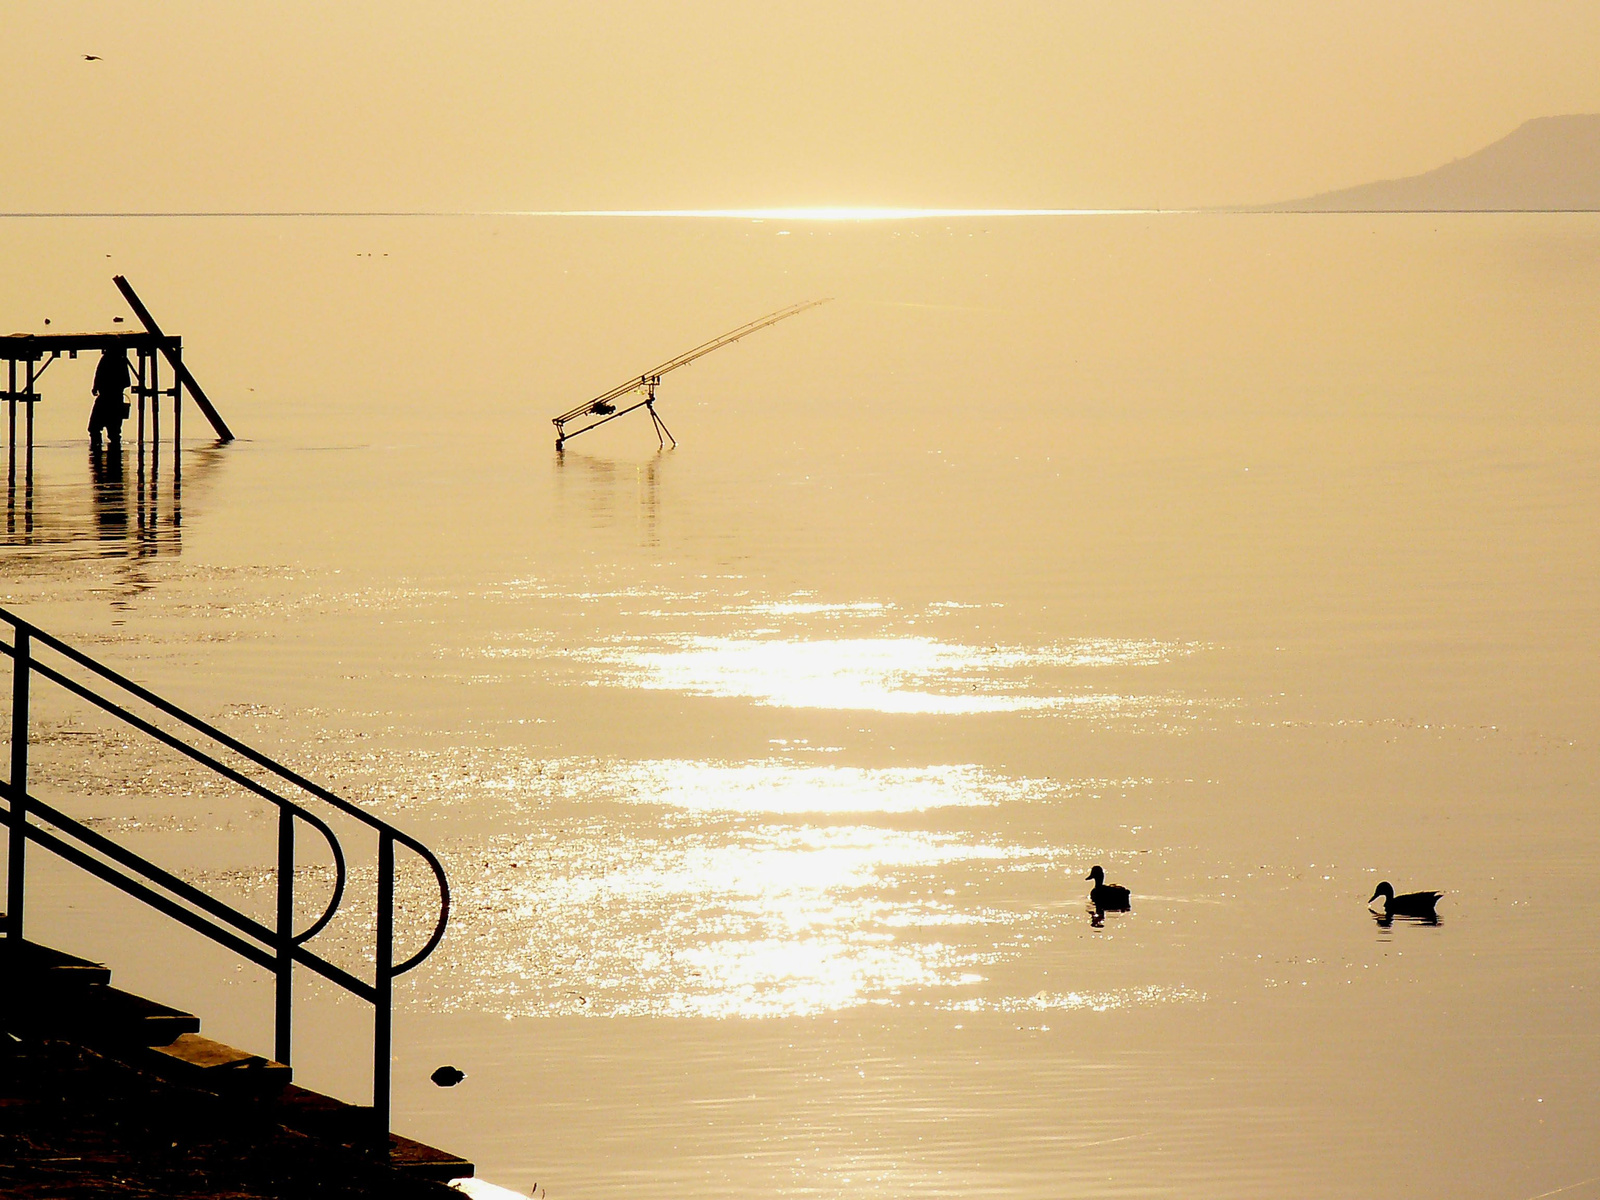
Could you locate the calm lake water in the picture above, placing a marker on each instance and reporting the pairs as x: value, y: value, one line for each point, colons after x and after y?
x: 1253, y: 557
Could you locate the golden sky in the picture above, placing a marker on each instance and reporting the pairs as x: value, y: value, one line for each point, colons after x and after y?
x: 727, y: 103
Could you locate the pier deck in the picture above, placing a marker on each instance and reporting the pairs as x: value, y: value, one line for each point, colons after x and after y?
x: 31, y: 347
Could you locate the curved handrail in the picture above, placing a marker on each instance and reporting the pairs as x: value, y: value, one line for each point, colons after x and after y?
x: 337, y: 898
x: 432, y: 860
x: 244, y: 751
x: 221, y: 768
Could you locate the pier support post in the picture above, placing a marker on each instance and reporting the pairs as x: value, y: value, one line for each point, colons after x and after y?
x: 29, y: 402
x: 21, y: 669
x: 11, y: 437
x: 177, y: 417
x: 144, y: 378
x: 155, y: 415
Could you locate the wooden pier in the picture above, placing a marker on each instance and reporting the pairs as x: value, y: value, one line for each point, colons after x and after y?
x: 29, y: 355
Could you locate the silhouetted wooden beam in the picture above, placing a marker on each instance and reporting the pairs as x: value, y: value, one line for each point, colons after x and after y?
x: 23, y: 347
x: 181, y: 372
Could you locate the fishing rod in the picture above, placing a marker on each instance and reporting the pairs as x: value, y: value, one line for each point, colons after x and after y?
x: 605, y: 408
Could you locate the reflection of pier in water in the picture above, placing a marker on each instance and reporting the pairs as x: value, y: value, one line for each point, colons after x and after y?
x: 124, y: 506
x: 603, y: 482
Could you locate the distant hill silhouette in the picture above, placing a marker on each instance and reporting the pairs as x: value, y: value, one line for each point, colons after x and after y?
x: 1549, y: 164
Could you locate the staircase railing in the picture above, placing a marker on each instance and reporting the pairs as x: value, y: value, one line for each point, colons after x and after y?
x: 276, y: 948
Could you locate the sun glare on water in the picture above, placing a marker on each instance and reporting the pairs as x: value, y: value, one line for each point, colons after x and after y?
x: 826, y: 213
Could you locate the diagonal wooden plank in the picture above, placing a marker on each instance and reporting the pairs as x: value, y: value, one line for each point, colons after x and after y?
x: 184, y: 375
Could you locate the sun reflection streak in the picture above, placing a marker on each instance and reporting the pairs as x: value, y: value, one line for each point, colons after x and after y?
x: 1094, y: 1001
x: 755, y: 921
x: 740, y: 889
x: 912, y: 675
x: 766, y: 922
x: 778, y: 787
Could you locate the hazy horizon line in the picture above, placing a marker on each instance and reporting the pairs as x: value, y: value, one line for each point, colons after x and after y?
x: 821, y: 213
x: 817, y: 213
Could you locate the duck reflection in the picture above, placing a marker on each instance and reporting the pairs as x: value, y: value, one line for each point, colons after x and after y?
x: 1386, y: 920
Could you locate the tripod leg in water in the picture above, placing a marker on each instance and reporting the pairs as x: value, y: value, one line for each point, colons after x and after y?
x: 661, y: 428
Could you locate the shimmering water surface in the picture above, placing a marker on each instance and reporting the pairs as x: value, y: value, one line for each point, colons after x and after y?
x: 1254, y: 558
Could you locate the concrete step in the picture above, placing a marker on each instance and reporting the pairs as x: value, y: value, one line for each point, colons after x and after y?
x: 78, y: 1123
x: 197, y: 1061
x: 427, y: 1162
x: 116, y: 1017
x: 99, y: 1015
x: 327, y: 1119
x: 46, y: 993
x: 45, y: 965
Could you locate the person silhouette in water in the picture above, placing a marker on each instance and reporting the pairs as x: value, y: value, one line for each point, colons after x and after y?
x: 110, y: 409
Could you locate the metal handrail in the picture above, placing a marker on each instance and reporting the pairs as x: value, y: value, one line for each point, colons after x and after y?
x: 221, y: 768
x: 275, y: 949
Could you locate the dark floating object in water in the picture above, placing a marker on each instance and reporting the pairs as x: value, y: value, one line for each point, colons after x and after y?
x: 448, y: 1076
x: 1107, y: 895
x: 1411, y: 904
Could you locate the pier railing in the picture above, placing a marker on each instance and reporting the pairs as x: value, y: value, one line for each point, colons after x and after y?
x: 35, y: 655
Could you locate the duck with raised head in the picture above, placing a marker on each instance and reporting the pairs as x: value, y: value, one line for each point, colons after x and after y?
x: 1107, y: 895
x: 1408, y: 904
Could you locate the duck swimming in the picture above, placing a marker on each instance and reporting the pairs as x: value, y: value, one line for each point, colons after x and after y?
x: 1411, y: 904
x: 1107, y: 895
